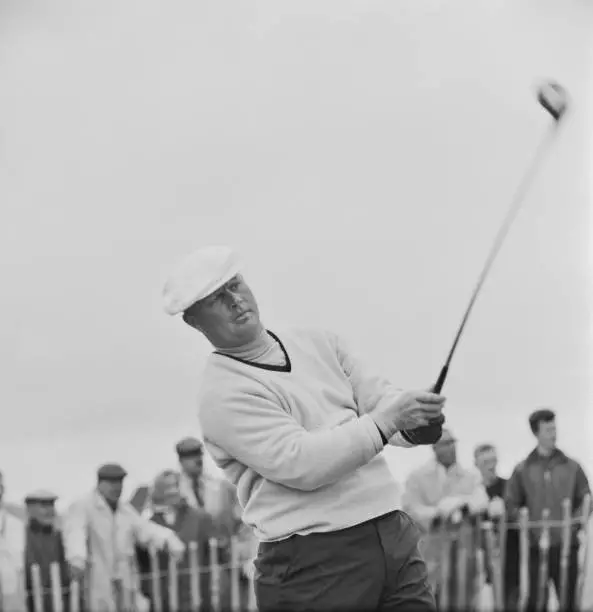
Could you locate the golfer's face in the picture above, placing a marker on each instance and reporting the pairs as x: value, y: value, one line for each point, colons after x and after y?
x: 230, y: 315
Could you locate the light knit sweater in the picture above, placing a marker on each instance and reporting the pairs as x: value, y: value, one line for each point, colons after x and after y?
x: 297, y: 439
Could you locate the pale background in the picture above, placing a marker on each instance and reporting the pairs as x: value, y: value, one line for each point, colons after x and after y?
x: 359, y: 154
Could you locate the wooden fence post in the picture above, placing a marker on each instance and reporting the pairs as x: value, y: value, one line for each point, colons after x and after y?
x: 585, y: 552
x: 235, y: 576
x: 565, y: 551
x: 543, y: 573
x: 155, y: 578
x: 74, y: 599
x: 56, y: 588
x: 251, y: 600
x: 523, y: 558
x: 214, y: 575
x: 194, y: 572
x: 38, y: 602
x: 502, y: 559
x: 173, y: 584
x: 445, y: 539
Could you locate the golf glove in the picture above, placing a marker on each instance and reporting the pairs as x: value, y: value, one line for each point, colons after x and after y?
x: 425, y: 435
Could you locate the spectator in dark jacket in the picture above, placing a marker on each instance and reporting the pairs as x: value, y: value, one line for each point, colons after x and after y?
x: 543, y: 481
x: 170, y: 510
x: 44, y: 547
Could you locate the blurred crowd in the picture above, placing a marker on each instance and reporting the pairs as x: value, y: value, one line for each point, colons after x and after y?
x: 105, y: 543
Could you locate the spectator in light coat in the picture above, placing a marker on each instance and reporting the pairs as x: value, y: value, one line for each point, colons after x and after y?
x: 438, y: 492
x: 12, y: 557
x: 100, y: 535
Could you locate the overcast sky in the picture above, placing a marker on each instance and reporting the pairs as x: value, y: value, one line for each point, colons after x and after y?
x: 358, y: 154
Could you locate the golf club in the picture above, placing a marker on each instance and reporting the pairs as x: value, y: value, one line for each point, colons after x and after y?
x: 554, y: 99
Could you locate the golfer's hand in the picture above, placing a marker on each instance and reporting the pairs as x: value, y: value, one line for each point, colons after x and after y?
x: 410, y: 410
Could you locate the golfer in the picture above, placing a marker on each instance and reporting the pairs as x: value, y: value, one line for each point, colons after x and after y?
x: 298, y: 425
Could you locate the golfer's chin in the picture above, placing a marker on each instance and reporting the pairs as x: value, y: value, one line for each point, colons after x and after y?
x: 247, y: 324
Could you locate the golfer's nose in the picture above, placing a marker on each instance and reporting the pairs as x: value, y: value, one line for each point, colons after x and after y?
x: 236, y: 299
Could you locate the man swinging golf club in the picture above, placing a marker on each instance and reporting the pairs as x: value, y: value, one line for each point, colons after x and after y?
x: 298, y: 425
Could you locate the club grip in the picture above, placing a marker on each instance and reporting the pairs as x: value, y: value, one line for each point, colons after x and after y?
x: 441, y: 380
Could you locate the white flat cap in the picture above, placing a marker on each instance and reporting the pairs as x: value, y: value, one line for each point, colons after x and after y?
x: 199, y: 275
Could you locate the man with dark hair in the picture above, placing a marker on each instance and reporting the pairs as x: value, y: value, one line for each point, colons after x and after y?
x: 486, y: 460
x: 543, y: 481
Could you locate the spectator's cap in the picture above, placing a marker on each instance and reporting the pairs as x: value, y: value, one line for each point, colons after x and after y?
x: 111, y: 471
x: 446, y: 437
x: 199, y: 275
x: 189, y: 447
x: 41, y: 497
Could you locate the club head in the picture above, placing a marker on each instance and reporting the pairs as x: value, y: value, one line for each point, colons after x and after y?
x: 554, y: 98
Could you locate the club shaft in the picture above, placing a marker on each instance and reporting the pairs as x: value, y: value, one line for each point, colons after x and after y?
x: 517, y: 202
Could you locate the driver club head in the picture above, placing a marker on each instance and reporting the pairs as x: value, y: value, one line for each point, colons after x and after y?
x: 554, y: 98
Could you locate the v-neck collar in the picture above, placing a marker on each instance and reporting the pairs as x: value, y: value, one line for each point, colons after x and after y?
x: 287, y: 367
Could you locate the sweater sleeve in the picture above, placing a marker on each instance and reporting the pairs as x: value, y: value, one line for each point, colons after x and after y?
x: 253, y: 428
x: 369, y: 389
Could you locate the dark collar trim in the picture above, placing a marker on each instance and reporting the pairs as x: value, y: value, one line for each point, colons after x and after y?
x: 287, y: 367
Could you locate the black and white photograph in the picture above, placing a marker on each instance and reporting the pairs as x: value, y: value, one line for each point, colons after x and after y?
x: 297, y: 307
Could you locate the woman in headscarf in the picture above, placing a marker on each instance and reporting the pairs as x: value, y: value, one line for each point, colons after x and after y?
x: 170, y: 510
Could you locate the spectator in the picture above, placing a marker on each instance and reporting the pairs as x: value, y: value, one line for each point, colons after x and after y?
x: 101, y: 532
x: 12, y: 547
x: 171, y: 510
x: 218, y: 497
x: 44, y: 547
x: 486, y: 460
x: 201, y: 490
x: 587, y: 600
x: 544, y: 480
x: 434, y: 493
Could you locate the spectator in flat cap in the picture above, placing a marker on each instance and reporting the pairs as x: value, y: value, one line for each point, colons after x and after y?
x: 218, y: 498
x: 111, y: 472
x: 12, y: 557
x: 106, y: 561
x: 44, y: 547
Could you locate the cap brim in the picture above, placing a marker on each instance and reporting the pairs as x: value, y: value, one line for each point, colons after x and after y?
x: 181, y: 306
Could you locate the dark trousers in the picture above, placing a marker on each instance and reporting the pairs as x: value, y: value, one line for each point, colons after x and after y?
x: 373, y: 566
x: 554, y: 572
